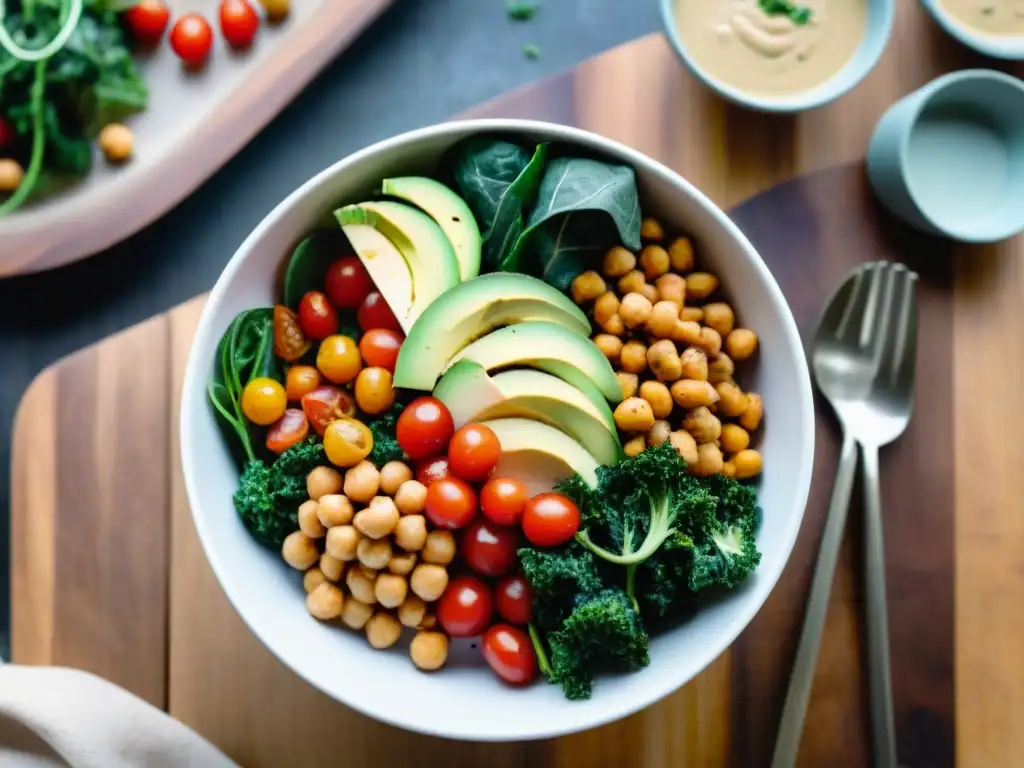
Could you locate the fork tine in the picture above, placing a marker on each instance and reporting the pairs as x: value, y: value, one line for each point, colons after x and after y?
x: 898, y: 354
x: 874, y: 335
x: 865, y: 286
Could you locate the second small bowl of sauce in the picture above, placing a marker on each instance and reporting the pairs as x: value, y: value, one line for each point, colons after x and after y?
x: 992, y: 27
x: 779, y: 55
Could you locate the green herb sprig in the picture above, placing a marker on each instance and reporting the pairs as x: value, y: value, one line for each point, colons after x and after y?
x: 798, y: 14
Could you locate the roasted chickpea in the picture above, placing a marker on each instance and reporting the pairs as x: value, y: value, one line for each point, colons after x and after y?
x: 691, y: 315
x: 634, y: 415
x: 325, y: 602
x: 299, y: 551
x: 334, y: 509
x: 342, y: 542
x: 632, y: 282
x: 664, y: 361
x: 649, y: 292
x: 685, y: 446
x: 634, y: 310
x: 610, y: 346
x: 634, y: 446
x: 606, y: 306
x: 411, y: 532
x: 663, y: 319
x: 614, y: 325
x: 651, y: 229
x: 312, y: 579
x: 412, y: 611
x: 331, y: 567
x: 703, y: 425
x: 680, y: 254
x: 276, y: 9
x: 362, y: 482
x: 360, y: 584
x: 721, y: 369
x: 691, y: 393
x: 402, y: 563
x: 750, y: 419
x: 116, y: 142
x: 392, y: 475
x: 374, y: 390
x: 654, y: 261
x: 439, y: 548
x: 377, y: 520
x: 587, y: 287
x: 659, y: 433
x: 657, y: 394
x: 734, y: 438
x: 429, y: 650
x: 672, y: 287
x: 719, y: 315
x: 382, y: 630
x: 390, y: 590
x: 633, y: 357
x: 729, y: 468
x: 321, y: 481
x: 411, y: 497
x: 374, y: 553
x: 429, y: 581
x: 687, y: 332
x: 309, y: 523
x: 429, y: 621
x: 733, y: 402
x: 694, y: 364
x: 741, y: 343
x: 355, y: 614
x: 710, y: 341
x: 617, y: 262
x: 709, y: 460
x: 700, y: 285
x: 11, y: 175
x: 628, y: 383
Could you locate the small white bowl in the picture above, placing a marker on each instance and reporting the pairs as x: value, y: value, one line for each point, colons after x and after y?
x: 466, y: 701
x: 1009, y: 47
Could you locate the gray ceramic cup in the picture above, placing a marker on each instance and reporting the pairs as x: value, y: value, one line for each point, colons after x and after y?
x: 949, y: 157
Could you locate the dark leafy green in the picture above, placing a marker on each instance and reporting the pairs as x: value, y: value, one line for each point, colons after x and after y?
x: 563, y: 247
x: 521, y: 10
x: 798, y: 14
x: 306, y: 269
x: 484, y: 169
x: 509, y: 221
x: 385, y: 443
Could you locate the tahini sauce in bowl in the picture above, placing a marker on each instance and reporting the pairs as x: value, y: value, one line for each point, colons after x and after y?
x: 993, y: 17
x: 745, y: 46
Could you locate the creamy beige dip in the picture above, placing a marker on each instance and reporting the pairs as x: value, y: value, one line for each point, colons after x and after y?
x: 736, y: 42
x: 996, y: 17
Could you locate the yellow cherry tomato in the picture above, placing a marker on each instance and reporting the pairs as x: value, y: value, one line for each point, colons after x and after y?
x: 264, y: 401
x: 347, y: 442
x: 301, y: 380
x: 338, y: 359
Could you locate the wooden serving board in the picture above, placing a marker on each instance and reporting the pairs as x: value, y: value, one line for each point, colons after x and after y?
x: 196, y: 121
x: 109, y: 576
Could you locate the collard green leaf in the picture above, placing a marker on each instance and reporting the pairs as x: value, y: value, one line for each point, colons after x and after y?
x: 563, y: 247
x: 307, y: 267
x: 508, y: 224
x: 484, y: 170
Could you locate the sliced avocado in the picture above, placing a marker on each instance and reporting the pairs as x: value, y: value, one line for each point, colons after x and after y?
x: 421, y: 242
x: 389, y: 270
x: 449, y: 211
x: 467, y: 390
x: 552, y: 348
x: 540, y: 455
x: 473, y: 309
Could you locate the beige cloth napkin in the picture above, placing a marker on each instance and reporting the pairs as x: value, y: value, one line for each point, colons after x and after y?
x: 52, y: 717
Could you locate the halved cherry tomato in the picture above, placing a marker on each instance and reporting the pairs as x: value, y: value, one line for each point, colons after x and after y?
x: 550, y: 519
x: 317, y: 318
x: 474, y: 451
x: 424, y: 428
x: 451, y: 503
x: 325, y: 404
x: 466, y: 607
x: 379, y: 347
x: 502, y: 500
x: 290, y: 343
x: 513, y: 597
x: 263, y: 401
x: 7, y: 133
x: 238, y: 22
x: 192, y: 38
x: 300, y: 380
x: 429, y: 470
x: 287, y: 431
x: 374, y: 312
x: 338, y: 359
x: 347, y: 283
x: 510, y: 653
x: 147, y: 20
x: 347, y: 442
x: 489, y: 549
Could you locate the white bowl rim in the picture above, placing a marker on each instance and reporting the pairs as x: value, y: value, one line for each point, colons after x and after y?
x: 1007, y: 47
x: 194, y: 396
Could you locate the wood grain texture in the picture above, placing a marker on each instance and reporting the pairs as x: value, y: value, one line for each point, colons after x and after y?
x: 193, y: 126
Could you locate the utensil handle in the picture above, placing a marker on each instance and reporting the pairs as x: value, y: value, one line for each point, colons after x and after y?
x: 883, y: 728
x: 787, y: 743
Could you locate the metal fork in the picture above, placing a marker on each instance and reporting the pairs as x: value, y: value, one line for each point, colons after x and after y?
x: 863, y: 359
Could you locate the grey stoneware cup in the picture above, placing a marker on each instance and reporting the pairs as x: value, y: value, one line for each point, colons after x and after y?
x: 949, y: 158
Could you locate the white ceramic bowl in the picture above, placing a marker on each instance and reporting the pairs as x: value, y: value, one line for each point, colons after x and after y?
x: 466, y: 701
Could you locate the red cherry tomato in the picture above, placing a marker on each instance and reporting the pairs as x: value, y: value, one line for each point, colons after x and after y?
x: 379, y: 348
x: 290, y: 343
x: 451, y: 503
x: 466, y: 607
x: 317, y: 318
x: 550, y: 519
x: 287, y: 431
x: 7, y: 133
x: 429, y: 470
x: 513, y: 597
x: 192, y: 38
x: 424, y: 428
x: 325, y: 404
x: 374, y: 312
x: 489, y: 549
x: 510, y: 653
x: 474, y: 451
x: 502, y: 500
x: 348, y: 283
x: 147, y: 20
x: 238, y: 22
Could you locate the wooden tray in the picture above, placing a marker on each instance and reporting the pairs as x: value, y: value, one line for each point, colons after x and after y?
x: 194, y: 124
x: 109, y: 576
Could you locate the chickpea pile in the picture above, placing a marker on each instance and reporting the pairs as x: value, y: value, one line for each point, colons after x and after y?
x: 674, y: 346
x: 369, y: 557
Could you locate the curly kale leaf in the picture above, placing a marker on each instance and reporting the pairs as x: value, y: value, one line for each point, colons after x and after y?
x: 557, y: 577
x: 385, y: 443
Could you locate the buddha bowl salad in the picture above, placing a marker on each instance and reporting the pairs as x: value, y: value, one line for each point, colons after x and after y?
x: 498, y: 403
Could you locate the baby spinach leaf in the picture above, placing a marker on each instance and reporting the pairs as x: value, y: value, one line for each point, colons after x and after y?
x: 484, y: 170
x: 508, y: 223
x: 563, y: 247
x: 307, y: 267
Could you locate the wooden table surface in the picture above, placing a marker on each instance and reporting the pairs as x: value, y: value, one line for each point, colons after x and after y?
x: 109, y: 576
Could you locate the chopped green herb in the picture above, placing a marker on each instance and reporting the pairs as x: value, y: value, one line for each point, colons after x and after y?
x: 531, y: 51
x: 521, y: 10
x: 798, y: 14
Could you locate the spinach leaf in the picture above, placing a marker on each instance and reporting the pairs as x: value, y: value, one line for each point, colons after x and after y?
x: 307, y: 267
x: 563, y: 247
x: 508, y: 223
x: 484, y: 170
